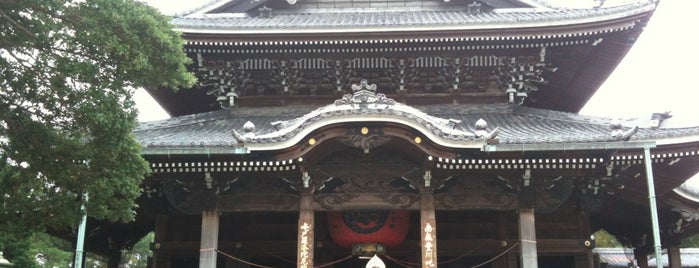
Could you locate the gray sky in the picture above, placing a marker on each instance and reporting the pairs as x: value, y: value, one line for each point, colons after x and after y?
x: 654, y: 76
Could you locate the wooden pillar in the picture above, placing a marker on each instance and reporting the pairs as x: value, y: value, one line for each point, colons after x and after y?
x: 209, y: 239
x: 585, y: 235
x: 527, y: 238
x: 306, y: 236
x: 428, y: 229
x: 674, y: 256
x: 503, y: 237
x: 583, y: 260
x: 641, y: 260
x: 160, y: 259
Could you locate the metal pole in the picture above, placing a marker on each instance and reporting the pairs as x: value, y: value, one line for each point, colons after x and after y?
x: 80, y: 244
x: 653, y: 208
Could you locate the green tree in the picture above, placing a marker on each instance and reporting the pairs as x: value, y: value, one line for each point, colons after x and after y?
x: 691, y: 241
x: 49, y: 251
x: 137, y: 257
x: 68, y: 69
x: 603, y: 239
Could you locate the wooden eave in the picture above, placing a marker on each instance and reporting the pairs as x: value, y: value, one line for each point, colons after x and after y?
x: 569, y: 90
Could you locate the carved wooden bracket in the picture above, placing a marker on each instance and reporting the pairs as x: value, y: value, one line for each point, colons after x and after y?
x: 258, y: 202
x: 477, y: 200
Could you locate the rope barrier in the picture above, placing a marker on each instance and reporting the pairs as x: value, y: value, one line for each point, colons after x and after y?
x: 241, y: 260
x: 401, y: 262
x: 279, y: 257
x: 334, y: 262
x: 457, y: 258
x: 498, y: 256
x: 405, y: 264
x: 263, y: 266
x: 410, y: 264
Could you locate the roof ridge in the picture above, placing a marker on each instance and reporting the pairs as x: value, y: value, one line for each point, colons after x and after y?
x: 211, y: 4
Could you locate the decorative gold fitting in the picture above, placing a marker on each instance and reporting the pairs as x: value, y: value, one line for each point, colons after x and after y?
x: 418, y: 140
x: 365, y: 130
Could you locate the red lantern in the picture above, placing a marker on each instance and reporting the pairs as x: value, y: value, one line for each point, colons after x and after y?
x: 352, y: 227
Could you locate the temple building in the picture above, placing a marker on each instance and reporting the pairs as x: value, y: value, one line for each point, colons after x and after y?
x: 405, y: 133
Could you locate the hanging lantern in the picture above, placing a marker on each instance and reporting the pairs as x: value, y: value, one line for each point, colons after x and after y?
x: 368, y: 226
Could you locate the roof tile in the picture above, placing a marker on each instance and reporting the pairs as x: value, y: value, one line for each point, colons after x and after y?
x: 518, y: 125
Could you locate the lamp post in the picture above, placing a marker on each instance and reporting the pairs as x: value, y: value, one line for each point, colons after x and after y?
x: 79, y: 248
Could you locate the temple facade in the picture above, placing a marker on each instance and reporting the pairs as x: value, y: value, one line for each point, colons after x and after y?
x: 362, y: 133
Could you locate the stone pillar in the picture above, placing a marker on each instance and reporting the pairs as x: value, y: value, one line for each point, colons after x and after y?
x: 674, y: 256
x: 428, y: 229
x: 527, y: 238
x: 306, y: 235
x: 160, y: 258
x: 209, y: 239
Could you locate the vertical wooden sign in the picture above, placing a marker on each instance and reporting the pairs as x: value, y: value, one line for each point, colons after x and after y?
x: 305, y: 242
x: 428, y: 230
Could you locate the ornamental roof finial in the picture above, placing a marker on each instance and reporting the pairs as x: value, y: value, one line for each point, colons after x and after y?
x: 364, y: 93
x: 618, y: 132
x: 363, y: 85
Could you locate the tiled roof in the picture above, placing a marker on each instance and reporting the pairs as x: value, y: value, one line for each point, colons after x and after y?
x: 620, y: 257
x: 517, y: 125
x: 409, y: 18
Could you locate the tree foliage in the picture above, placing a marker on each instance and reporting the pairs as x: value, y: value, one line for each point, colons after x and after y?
x: 50, y: 252
x: 68, y: 69
x: 691, y: 241
x: 603, y: 239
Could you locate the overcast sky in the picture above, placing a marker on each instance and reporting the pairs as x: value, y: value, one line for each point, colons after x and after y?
x: 655, y: 76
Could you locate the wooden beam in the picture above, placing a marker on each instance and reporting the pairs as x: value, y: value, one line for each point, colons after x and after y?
x: 306, y: 235
x: 604, y: 146
x: 527, y: 238
x: 209, y: 239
